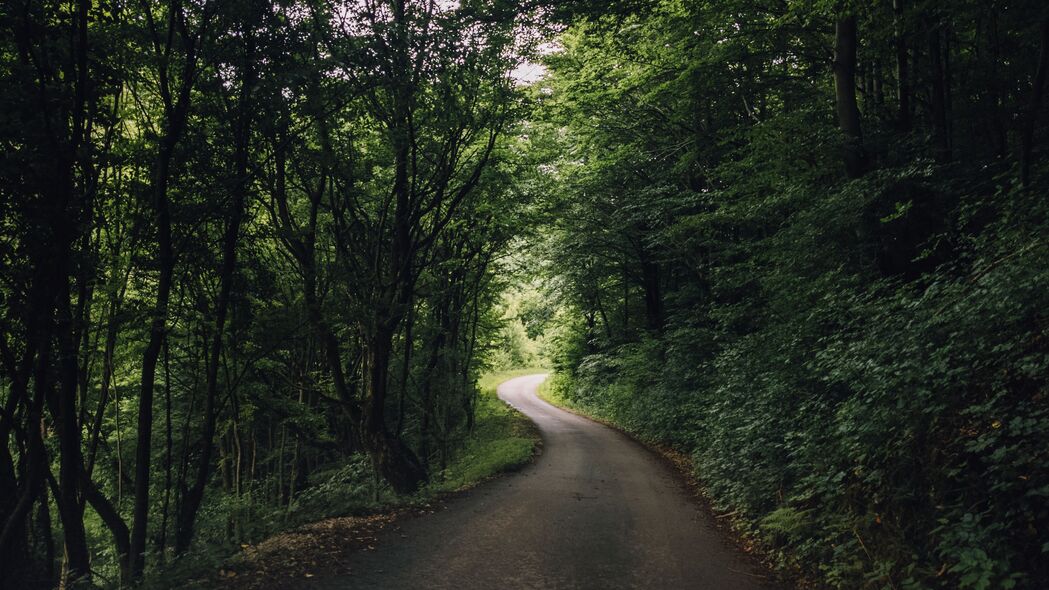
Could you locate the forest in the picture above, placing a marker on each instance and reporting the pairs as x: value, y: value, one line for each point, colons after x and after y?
x: 255, y: 256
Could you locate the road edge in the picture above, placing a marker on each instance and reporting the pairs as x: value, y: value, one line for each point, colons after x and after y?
x: 728, y: 525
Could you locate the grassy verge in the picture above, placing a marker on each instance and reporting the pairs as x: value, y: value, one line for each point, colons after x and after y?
x: 502, y: 440
x: 554, y: 391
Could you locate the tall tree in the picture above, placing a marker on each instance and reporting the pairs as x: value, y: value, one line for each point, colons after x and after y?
x: 175, y: 46
x: 845, y: 95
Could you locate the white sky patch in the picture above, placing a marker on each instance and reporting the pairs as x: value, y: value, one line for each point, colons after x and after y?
x: 528, y: 72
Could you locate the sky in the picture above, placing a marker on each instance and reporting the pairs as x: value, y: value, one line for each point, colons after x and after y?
x: 527, y: 72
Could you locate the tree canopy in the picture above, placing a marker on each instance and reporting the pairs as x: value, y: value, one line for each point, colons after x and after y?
x: 804, y: 243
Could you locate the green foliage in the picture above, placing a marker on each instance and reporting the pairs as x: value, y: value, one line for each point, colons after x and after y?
x: 857, y: 367
x: 786, y: 525
x: 254, y: 257
x: 251, y: 261
x: 521, y: 341
x: 502, y: 440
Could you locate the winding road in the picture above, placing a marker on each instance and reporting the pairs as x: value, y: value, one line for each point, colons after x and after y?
x: 595, y: 511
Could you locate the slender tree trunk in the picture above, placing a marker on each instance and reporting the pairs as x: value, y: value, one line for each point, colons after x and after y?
x: 238, y: 456
x: 471, y: 392
x: 405, y: 370
x: 1037, y: 94
x: 9, y: 488
x: 162, y: 535
x: 18, y: 502
x: 43, y: 516
x: 67, y: 496
x: 109, y: 350
x: 224, y: 464
x: 293, y: 475
x: 82, y: 334
x: 938, y: 96
x: 845, y: 96
x: 625, y: 279
x: 903, y: 85
x: 879, y: 92
x: 436, y: 349
x: 280, y: 498
x: 652, y: 283
x: 115, y: 523
x: 157, y: 333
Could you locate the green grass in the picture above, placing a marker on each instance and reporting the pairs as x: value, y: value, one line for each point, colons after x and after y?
x: 502, y: 440
x: 554, y: 390
x: 488, y: 382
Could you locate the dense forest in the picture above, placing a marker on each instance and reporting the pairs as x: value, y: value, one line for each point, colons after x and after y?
x: 242, y: 242
x: 805, y: 243
x: 254, y: 256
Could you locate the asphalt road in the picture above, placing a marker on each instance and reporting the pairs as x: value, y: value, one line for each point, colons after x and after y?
x: 595, y: 511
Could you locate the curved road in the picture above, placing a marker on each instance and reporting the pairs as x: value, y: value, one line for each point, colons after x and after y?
x: 596, y: 510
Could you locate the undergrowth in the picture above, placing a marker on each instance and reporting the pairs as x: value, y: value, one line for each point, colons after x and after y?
x: 502, y: 440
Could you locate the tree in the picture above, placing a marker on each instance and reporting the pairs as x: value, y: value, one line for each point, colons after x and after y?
x: 845, y: 94
x: 139, y: 278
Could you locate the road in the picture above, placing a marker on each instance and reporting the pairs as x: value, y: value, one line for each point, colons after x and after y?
x: 595, y: 511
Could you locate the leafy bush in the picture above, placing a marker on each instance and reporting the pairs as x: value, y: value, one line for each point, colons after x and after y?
x: 888, y: 431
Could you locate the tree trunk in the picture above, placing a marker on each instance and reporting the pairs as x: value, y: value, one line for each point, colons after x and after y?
x: 1037, y: 94
x: 113, y: 521
x: 437, y: 347
x: 157, y: 333
x: 109, y: 350
x: 395, y: 461
x: 652, y: 284
x: 43, y: 516
x: 67, y: 495
x: 169, y: 444
x: 406, y: 367
x: 845, y: 96
x: 879, y: 91
x: 13, y: 549
x: 903, y: 87
x: 625, y: 278
x: 938, y: 97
